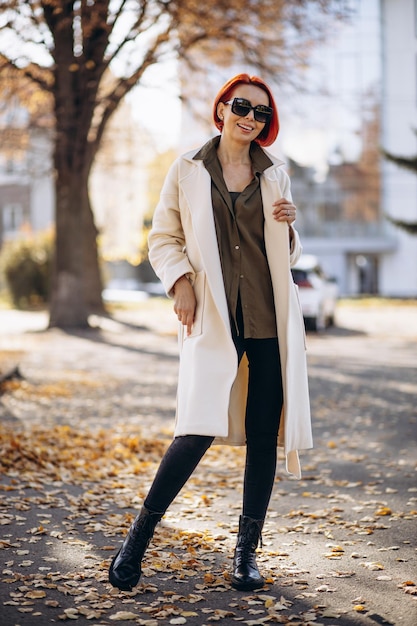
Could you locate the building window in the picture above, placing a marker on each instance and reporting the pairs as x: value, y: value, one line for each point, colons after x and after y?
x: 329, y: 211
x: 12, y: 219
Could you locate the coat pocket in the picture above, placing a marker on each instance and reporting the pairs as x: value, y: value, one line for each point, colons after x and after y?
x: 199, y: 290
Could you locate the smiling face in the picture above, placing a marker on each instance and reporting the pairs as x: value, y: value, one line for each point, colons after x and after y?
x: 242, y: 129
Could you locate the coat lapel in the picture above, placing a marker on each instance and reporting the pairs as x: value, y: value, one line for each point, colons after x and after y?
x: 195, y: 182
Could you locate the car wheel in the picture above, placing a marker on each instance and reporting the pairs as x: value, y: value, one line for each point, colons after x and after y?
x: 316, y: 323
x: 330, y: 321
x: 310, y: 323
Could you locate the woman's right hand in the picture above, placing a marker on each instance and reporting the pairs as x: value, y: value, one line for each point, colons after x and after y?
x: 185, y: 302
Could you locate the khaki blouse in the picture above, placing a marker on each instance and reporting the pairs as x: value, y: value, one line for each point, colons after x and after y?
x: 239, y: 221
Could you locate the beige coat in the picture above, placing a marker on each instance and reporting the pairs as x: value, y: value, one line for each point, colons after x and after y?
x: 212, y: 391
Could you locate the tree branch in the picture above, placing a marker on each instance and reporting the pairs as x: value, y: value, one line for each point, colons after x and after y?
x: 142, y: 24
x: 408, y: 227
x: 95, y: 31
x: 40, y: 75
x: 409, y: 163
x: 123, y: 86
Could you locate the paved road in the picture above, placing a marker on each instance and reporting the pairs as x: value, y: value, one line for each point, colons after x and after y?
x: 82, y: 434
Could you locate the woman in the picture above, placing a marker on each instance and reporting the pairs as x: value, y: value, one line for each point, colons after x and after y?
x: 222, y: 243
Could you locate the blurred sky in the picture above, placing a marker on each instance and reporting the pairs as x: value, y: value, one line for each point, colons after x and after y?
x: 156, y: 104
x: 322, y: 121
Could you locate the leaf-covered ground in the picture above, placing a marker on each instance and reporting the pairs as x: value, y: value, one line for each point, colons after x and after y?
x: 81, y: 437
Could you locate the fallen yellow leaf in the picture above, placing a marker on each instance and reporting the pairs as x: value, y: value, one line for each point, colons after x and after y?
x: 383, y: 511
x: 35, y: 594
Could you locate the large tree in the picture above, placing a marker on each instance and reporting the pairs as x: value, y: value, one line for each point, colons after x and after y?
x: 88, y: 54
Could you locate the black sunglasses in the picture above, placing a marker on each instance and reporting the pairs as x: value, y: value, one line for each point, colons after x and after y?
x: 241, y: 107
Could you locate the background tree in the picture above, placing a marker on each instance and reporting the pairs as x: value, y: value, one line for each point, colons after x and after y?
x: 69, y: 47
x: 16, y: 92
x: 409, y: 163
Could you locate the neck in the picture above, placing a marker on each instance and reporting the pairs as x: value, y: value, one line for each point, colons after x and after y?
x: 234, y: 154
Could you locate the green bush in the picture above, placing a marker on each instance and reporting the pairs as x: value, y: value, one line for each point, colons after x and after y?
x: 26, y: 266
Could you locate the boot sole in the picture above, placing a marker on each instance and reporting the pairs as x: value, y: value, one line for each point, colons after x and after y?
x: 119, y: 586
x: 241, y: 586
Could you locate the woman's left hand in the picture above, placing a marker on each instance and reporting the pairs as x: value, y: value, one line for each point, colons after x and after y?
x: 284, y: 211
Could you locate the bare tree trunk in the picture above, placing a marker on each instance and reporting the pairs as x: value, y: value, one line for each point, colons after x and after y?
x: 68, y: 307
x: 76, y: 282
x: 92, y: 280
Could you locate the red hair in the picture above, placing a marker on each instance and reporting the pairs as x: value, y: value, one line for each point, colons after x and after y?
x: 270, y: 131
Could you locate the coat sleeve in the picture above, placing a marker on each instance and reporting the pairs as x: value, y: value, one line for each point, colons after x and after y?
x: 296, y: 247
x: 166, y: 240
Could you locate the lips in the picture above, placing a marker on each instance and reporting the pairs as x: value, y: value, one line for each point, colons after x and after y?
x: 246, y: 128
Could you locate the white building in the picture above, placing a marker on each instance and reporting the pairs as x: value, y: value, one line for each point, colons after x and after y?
x: 398, y: 270
x: 327, y: 129
x: 366, y: 62
x: 369, y: 257
x: 26, y: 183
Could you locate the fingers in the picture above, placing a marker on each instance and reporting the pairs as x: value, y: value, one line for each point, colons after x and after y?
x: 189, y: 325
x: 188, y: 321
x: 186, y: 318
x: 284, y: 211
x: 185, y: 304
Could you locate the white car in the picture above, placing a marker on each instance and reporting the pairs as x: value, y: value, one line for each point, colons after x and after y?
x: 318, y: 293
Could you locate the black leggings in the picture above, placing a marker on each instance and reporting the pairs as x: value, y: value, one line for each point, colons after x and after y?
x: 264, y: 404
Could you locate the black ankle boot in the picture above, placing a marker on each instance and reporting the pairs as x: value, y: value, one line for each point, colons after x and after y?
x: 125, y: 568
x: 246, y: 575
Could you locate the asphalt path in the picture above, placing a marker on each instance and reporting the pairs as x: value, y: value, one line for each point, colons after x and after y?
x: 339, y: 545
